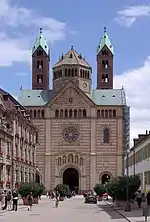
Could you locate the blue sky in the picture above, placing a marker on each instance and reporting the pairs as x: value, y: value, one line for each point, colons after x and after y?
x: 78, y: 23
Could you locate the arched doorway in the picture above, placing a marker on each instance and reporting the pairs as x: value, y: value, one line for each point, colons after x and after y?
x: 71, y: 178
x: 105, y: 178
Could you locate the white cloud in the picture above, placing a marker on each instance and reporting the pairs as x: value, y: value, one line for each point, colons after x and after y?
x: 24, y: 23
x: 130, y: 14
x: 137, y: 85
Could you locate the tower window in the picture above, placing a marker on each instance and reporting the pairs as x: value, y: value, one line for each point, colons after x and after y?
x: 40, y: 79
x: 70, y: 56
x: 75, y: 72
x: 105, y: 64
x: 104, y: 52
x: 106, y: 135
x: 39, y: 64
x: 105, y: 78
x: 39, y: 52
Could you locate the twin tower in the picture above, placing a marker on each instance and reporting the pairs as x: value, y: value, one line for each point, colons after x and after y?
x: 72, y: 66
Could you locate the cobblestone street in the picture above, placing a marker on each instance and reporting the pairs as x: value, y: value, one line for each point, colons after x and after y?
x: 69, y: 210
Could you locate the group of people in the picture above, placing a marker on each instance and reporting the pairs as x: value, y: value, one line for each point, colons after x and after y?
x: 9, y: 200
x: 54, y: 195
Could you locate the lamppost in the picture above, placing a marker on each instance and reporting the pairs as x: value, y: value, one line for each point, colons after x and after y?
x: 128, y: 205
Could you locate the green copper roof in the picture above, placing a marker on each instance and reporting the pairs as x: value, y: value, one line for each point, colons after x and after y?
x: 109, y: 97
x: 40, y: 42
x: 105, y: 41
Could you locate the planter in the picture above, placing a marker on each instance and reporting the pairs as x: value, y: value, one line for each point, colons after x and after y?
x: 35, y: 200
x: 61, y: 198
x: 99, y: 198
x: 25, y: 201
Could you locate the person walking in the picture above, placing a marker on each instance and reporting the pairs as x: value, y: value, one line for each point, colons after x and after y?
x: 15, y: 201
x: 9, y: 200
x: 139, y: 198
x: 2, y: 200
x: 5, y: 200
x: 30, y: 201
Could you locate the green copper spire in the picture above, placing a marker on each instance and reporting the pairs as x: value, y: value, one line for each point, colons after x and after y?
x: 105, y: 41
x: 41, y: 41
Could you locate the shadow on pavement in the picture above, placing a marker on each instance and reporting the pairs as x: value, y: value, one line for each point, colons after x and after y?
x: 109, y: 210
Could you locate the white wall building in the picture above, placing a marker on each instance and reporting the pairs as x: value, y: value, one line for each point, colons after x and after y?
x: 138, y: 161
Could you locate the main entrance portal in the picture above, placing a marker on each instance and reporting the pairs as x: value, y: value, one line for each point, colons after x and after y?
x: 71, y: 178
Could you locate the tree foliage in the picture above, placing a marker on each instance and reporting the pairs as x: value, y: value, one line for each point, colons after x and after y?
x: 36, y: 189
x: 99, y: 189
x: 117, y: 187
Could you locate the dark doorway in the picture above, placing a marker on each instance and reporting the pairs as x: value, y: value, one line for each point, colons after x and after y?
x: 71, y: 178
x: 105, y: 178
x: 37, y: 178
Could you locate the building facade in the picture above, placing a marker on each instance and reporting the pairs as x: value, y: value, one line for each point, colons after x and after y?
x: 17, y: 143
x: 82, y: 137
x: 138, y: 160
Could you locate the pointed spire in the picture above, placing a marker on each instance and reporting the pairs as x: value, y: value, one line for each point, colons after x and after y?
x: 105, y: 40
x: 21, y: 88
x: 40, y: 41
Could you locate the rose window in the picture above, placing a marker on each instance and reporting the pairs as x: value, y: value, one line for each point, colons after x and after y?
x: 70, y: 134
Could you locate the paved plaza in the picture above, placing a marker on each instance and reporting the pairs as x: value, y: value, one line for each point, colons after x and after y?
x: 70, y: 210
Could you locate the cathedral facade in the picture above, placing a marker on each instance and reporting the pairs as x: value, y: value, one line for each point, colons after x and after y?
x: 82, y: 132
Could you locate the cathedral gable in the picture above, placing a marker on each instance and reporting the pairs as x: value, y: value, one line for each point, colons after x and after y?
x: 71, y: 96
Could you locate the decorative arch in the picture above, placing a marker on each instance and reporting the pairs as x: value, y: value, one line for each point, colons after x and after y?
x: 105, y: 173
x: 69, y: 165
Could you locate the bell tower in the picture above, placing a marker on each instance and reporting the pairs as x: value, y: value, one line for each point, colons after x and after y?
x: 40, y: 63
x: 105, y: 54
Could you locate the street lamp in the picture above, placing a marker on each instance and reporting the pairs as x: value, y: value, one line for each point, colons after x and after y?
x: 128, y: 205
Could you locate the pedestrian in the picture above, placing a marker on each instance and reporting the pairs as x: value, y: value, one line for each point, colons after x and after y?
x: 2, y: 197
x: 9, y: 200
x: 15, y: 201
x: 139, y: 198
x: 30, y: 201
x: 5, y: 200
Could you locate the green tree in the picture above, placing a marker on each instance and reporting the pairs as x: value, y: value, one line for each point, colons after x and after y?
x: 100, y: 189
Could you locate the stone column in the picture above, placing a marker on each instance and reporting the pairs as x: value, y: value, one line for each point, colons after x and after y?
x: 48, y: 173
x: 93, y: 149
x: 4, y: 161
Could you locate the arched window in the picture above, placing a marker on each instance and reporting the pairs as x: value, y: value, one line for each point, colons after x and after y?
x: 106, y: 135
x: 106, y: 113
x: 57, y: 113
x: 59, y: 161
x: 66, y: 113
x: 66, y: 72
x: 34, y: 113
x: 114, y: 113
x: 81, y: 73
x: 79, y: 113
x: 64, y: 159
x: 98, y: 113
x: 84, y: 112
x: 39, y: 112
x: 75, y: 72
x: 70, y: 158
x: 75, y: 113
x: 31, y: 113
x: 102, y: 113
x: 76, y: 159
x: 110, y: 113
x: 61, y: 113
x: 72, y: 72
x: 42, y: 113
x: 70, y: 113
x: 81, y: 161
